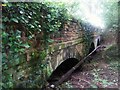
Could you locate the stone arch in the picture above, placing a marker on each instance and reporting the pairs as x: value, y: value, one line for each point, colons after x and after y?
x: 65, y: 66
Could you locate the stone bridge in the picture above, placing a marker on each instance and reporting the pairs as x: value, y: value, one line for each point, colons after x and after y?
x: 68, y: 47
x: 64, y: 54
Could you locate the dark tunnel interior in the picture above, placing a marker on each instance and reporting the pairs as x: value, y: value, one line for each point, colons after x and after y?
x: 98, y: 42
x: 62, y: 69
x: 92, y: 47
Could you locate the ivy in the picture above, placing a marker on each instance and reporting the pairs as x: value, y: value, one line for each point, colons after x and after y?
x: 25, y: 22
x: 26, y: 31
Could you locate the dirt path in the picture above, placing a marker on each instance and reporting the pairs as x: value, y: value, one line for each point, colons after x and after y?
x: 102, y: 72
x: 96, y: 75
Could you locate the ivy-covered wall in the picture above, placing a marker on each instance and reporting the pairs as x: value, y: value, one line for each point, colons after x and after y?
x: 26, y: 30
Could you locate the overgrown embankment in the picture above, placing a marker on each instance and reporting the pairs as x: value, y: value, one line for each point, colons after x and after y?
x: 27, y: 30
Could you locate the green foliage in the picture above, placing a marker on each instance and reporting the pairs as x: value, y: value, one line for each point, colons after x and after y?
x: 26, y: 32
x: 110, y: 14
x: 36, y: 20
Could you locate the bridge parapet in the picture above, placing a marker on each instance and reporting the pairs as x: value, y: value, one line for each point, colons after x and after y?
x: 58, y: 46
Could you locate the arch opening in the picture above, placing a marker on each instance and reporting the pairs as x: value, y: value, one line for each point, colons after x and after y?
x: 62, y: 69
x: 98, y: 42
x: 92, y: 47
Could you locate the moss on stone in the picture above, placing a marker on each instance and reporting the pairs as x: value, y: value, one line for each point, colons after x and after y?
x: 49, y: 49
x: 62, y: 45
x: 56, y: 47
x: 52, y: 48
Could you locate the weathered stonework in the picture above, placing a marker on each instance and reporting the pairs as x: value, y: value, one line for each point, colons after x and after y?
x: 65, y: 51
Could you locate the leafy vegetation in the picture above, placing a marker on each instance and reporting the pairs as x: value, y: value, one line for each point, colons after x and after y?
x: 26, y: 34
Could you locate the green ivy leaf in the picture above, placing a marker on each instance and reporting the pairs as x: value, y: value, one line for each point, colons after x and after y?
x: 14, y: 20
x: 5, y: 19
x: 50, y: 40
x: 93, y: 86
x: 25, y: 45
